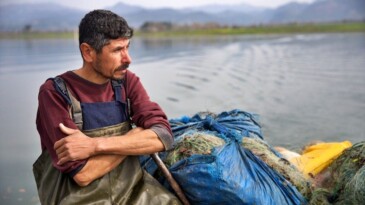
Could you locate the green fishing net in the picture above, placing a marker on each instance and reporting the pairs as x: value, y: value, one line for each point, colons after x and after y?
x: 262, y: 150
x: 202, y: 143
x: 193, y: 143
x: 345, y: 183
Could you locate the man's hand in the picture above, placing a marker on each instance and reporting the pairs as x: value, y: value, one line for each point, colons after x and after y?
x: 75, y: 146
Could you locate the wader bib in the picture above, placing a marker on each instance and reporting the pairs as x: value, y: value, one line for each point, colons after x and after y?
x: 126, y: 184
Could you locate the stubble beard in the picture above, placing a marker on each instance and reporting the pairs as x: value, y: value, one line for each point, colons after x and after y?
x: 98, y: 69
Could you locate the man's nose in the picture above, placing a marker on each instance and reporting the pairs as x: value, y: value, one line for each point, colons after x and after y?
x: 126, y: 58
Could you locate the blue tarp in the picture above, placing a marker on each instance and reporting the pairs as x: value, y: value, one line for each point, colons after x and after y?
x: 230, y: 174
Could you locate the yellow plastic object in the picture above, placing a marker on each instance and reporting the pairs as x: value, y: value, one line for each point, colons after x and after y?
x: 317, y: 157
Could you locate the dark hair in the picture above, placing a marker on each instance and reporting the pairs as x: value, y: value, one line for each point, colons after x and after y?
x: 99, y: 26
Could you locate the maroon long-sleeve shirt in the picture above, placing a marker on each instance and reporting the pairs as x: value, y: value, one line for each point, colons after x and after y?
x: 53, y: 109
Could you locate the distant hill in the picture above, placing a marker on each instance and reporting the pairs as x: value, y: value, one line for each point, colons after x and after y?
x: 42, y: 16
x: 125, y: 9
x: 320, y: 11
x: 54, y: 17
x: 219, y: 8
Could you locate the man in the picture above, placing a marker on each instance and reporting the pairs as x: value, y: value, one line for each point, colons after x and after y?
x: 89, y: 151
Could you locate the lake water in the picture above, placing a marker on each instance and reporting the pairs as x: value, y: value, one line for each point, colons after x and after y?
x: 305, y: 87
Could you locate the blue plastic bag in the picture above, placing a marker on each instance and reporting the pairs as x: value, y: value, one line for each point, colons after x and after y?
x: 230, y: 174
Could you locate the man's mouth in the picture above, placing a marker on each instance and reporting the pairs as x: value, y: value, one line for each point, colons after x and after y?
x: 122, y: 67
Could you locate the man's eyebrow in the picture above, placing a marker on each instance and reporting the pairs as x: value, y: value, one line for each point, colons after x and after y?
x: 121, y: 47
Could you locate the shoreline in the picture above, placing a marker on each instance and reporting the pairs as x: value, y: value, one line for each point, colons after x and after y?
x: 338, y: 27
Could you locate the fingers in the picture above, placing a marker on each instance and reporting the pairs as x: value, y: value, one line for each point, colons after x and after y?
x: 64, y: 153
x: 58, y: 145
x: 61, y: 142
x: 62, y: 161
x: 65, y: 157
x: 61, y: 145
x: 62, y: 158
x: 67, y: 130
x: 61, y: 151
x: 74, y: 146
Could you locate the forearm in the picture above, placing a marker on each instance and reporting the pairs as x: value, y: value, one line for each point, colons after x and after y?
x: 136, y: 143
x: 78, y: 146
x: 96, y: 167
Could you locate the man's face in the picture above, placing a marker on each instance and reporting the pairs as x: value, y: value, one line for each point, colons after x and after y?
x: 112, y: 62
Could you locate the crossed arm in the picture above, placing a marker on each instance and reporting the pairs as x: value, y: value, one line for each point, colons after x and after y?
x: 103, y: 153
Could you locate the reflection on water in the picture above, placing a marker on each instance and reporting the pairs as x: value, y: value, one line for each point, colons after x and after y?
x: 304, y: 87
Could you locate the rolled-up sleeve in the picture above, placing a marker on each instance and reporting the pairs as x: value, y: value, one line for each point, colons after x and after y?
x: 164, y: 135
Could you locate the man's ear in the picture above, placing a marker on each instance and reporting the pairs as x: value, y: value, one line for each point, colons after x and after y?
x: 87, y: 52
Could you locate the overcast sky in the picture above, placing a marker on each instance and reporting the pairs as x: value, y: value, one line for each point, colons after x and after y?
x: 94, y: 4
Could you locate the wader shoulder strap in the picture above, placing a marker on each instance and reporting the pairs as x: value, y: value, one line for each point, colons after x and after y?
x: 75, y: 112
x: 117, y: 86
x: 61, y: 88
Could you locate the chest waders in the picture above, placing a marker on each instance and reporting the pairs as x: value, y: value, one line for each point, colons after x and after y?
x: 126, y: 184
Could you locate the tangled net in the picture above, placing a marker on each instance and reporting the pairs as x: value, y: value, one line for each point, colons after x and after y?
x: 343, y: 182
x: 194, y: 143
x: 202, y: 143
x: 260, y: 149
x: 346, y: 181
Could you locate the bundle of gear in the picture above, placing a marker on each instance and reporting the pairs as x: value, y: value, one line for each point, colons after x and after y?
x: 223, y: 159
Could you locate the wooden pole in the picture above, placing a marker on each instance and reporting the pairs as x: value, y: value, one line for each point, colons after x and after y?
x: 170, y: 179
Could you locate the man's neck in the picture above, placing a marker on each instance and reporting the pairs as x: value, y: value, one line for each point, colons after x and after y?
x: 89, y: 74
